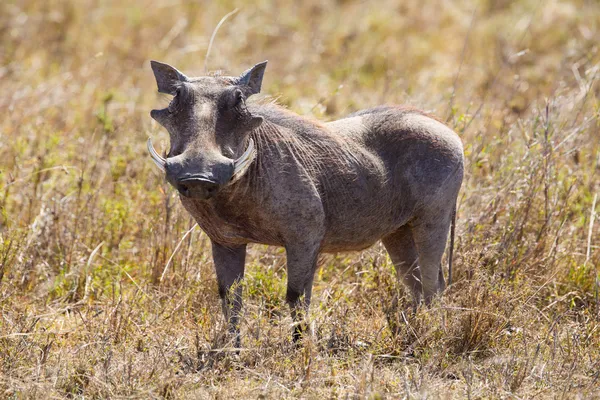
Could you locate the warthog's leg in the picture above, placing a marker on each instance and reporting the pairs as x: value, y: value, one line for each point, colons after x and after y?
x: 301, y: 266
x: 401, y: 248
x: 229, y: 264
x: 430, y: 234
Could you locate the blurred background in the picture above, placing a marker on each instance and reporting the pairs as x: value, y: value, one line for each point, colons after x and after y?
x: 107, y: 289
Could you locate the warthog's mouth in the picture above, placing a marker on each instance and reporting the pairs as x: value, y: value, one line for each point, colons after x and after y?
x: 241, y: 164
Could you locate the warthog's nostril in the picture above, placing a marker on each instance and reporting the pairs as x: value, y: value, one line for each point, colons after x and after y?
x: 210, y: 188
x: 184, y: 189
x: 197, y: 188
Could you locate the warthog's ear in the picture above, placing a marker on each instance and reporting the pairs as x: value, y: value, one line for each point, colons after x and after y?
x: 167, y: 77
x: 253, y: 77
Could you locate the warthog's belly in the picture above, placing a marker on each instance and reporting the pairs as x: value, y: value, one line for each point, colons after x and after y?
x: 362, y: 217
x: 338, y: 246
x: 358, y: 232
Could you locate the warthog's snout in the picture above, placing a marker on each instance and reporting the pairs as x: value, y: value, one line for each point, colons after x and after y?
x: 197, y: 185
x: 201, y: 185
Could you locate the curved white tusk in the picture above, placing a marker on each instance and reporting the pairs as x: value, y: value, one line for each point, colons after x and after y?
x: 158, y: 160
x: 242, y: 164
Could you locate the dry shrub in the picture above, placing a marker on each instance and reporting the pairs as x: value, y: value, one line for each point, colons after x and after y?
x: 95, y: 301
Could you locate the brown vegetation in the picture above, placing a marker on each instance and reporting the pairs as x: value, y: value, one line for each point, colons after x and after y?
x: 107, y: 289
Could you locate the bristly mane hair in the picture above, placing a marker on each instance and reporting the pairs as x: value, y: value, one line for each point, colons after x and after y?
x: 286, y: 135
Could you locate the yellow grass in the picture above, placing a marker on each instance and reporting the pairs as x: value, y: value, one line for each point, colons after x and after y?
x: 87, y: 225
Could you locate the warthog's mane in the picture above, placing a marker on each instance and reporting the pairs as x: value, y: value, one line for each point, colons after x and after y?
x: 309, y: 145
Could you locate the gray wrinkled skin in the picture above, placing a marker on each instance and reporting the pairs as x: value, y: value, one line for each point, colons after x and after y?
x: 387, y: 173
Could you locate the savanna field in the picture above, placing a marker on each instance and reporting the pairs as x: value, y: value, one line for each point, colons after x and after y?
x: 107, y: 288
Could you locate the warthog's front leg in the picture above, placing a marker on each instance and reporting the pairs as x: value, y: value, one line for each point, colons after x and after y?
x: 301, y: 266
x: 229, y: 264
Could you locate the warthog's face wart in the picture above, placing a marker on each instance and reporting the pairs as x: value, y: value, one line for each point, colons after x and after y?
x: 209, y: 126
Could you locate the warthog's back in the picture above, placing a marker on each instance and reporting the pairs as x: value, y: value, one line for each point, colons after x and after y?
x: 371, y: 171
x: 407, y: 159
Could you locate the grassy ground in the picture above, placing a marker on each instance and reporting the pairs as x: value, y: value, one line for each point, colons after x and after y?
x: 102, y: 294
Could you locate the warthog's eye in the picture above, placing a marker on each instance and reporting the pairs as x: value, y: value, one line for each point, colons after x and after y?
x: 173, y: 104
x: 239, y: 96
x: 237, y: 99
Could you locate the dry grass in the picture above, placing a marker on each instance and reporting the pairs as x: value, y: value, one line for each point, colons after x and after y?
x: 87, y: 226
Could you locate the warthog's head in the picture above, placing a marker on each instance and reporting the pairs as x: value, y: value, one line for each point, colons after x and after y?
x: 209, y: 127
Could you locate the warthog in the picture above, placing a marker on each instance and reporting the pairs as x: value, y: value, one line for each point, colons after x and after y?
x: 258, y: 173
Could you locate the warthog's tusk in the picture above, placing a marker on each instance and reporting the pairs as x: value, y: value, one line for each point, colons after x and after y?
x: 158, y: 160
x: 241, y: 164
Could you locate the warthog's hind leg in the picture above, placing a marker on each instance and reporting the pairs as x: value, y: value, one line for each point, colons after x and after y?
x: 401, y: 248
x: 229, y: 265
x: 430, y: 235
